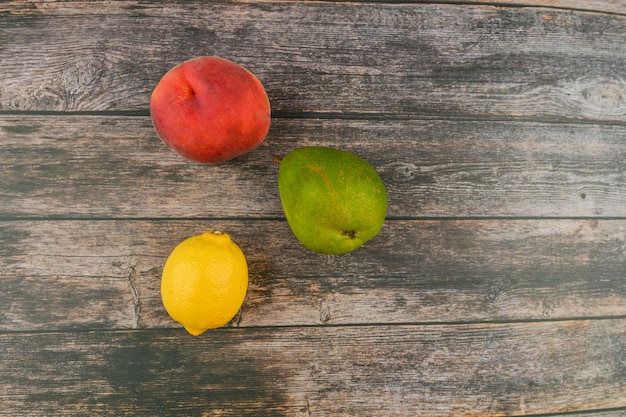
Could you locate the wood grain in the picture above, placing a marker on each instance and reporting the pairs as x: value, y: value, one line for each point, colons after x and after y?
x: 607, y: 6
x: 327, y: 58
x: 600, y: 6
x: 497, y: 286
x: 464, y: 370
x: 106, y: 274
x: 115, y: 166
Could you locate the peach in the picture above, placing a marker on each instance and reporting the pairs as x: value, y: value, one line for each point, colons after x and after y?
x: 209, y: 109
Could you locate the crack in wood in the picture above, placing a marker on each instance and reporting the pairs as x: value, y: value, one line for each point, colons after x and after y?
x: 308, y: 405
x: 135, y: 294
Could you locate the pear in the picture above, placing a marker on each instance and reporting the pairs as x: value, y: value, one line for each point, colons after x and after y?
x: 334, y: 201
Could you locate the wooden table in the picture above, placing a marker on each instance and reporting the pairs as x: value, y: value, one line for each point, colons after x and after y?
x: 496, y: 287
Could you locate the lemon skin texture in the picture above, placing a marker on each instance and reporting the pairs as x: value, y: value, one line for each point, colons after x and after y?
x: 204, y: 282
x: 334, y: 201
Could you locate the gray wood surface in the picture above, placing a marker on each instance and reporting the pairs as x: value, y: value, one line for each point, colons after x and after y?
x: 464, y: 370
x: 497, y: 286
x: 115, y: 166
x: 413, y: 271
x: 455, y: 60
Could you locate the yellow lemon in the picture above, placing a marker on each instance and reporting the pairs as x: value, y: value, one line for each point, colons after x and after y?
x: 204, y: 282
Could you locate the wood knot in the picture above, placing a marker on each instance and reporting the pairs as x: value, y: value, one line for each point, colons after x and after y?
x: 404, y: 172
x: 602, y: 96
x: 325, y: 313
x: 82, y: 72
x: 605, y: 93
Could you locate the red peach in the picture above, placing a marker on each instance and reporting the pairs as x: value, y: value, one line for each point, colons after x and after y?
x: 209, y: 110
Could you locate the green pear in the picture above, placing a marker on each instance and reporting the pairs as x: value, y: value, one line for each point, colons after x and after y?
x: 334, y: 201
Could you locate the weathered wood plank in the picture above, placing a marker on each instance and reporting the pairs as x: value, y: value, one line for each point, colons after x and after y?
x: 323, y: 57
x: 601, y: 6
x: 608, y: 6
x: 464, y: 370
x: 111, y: 166
x: 106, y: 274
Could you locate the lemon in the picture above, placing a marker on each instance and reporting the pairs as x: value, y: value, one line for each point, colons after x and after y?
x: 204, y: 282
